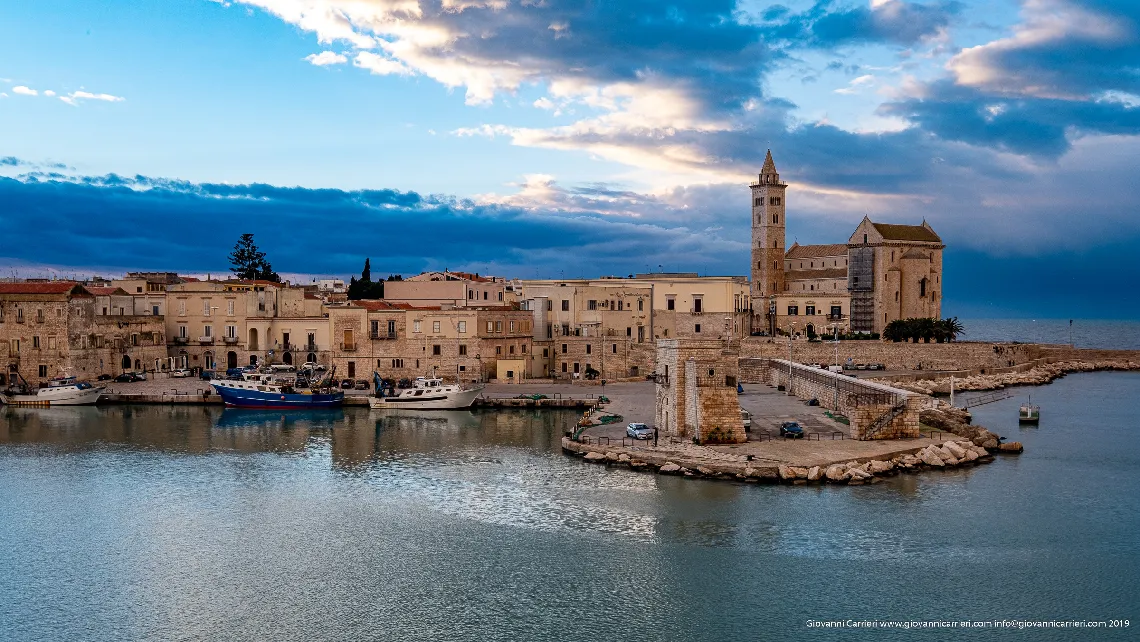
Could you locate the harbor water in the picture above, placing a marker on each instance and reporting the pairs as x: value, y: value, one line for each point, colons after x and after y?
x: 194, y: 523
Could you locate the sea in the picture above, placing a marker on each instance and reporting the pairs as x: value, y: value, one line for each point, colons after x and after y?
x: 1106, y: 334
x: 198, y: 523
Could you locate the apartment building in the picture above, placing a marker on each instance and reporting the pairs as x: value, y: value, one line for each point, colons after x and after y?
x: 457, y: 289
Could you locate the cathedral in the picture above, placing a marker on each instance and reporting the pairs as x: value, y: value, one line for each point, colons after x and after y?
x: 884, y: 272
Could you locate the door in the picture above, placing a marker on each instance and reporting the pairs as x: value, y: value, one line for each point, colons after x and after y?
x: 126, y: 362
x: 351, y: 369
x: 287, y: 358
x: 231, y: 359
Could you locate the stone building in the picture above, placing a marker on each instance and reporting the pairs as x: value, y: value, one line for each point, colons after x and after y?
x: 696, y: 390
x: 148, y: 290
x: 884, y: 272
x: 53, y: 328
x: 226, y: 324
x: 458, y: 289
x: 399, y: 340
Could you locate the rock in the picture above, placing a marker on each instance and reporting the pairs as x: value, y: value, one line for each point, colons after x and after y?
x: 950, y: 461
x: 929, y: 458
x: 836, y: 473
x: 911, y: 460
x: 750, y: 472
x: 945, y: 453
x: 594, y: 457
x: 706, y: 471
x: 858, y: 473
x: 786, y: 472
x: 881, y: 467
x: 611, y: 456
x: 686, y: 471
x: 669, y: 468
x: 989, y: 444
x: 637, y: 463
x: 801, y: 473
x: 971, y: 455
x: 814, y: 473
x: 623, y: 457
x: 1011, y: 447
x: 957, y: 451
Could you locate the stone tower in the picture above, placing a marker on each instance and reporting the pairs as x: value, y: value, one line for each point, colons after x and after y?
x: 767, y: 241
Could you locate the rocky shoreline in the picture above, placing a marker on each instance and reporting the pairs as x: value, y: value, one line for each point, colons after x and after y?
x: 1034, y: 377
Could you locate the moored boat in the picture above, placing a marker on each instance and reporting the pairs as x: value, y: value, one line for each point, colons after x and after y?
x: 61, y: 391
x: 262, y: 391
x: 426, y: 394
x: 1029, y: 413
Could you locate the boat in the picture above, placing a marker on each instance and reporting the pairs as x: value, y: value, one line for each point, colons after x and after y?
x: 426, y: 393
x: 264, y: 390
x: 60, y: 391
x: 1029, y: 413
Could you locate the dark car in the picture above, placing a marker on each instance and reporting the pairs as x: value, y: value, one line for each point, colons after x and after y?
x: 346, y: 384
x: 206, y: 375
x: 103, y: 377
x: 234, y: 372
x: 791, y: 430
x: 128, y: 377
x: 362, y: 384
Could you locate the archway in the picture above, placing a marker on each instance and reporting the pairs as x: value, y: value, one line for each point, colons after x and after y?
x: 231, y: 359
x: 810, y: 329
x: 126, y: 362
x: 287, y: 358
x: 253, y: 339
x: 138, y: 365
x: 208, y: 361
x: 312, y: 358
x: 253, y: 359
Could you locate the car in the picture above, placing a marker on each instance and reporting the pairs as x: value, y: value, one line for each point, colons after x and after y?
x: 180, y: 373
x: 639, y: 431
x: 362, y: 384
x: 249, y: 368
x: 791, y: 430
x: 103, y: 377
x: 876, y: 366
x: 128, y: 377
x: 234, y: 372
x: 746, y: 417
x: 346, y: 384
x: 312, y: 366
x: 835, y: 369
x: 207, y: 375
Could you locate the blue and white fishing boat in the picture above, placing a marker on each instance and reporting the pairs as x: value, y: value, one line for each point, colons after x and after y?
x: 261, y: 391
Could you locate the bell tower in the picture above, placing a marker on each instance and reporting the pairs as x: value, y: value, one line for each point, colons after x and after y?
x: 767, y: 240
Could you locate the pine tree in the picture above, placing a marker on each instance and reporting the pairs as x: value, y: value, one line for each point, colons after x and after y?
x: 249, y: 263
x: 366, y: 274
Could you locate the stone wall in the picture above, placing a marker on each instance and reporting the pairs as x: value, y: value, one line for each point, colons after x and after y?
x: 696, y: 390
x: 897, y: 356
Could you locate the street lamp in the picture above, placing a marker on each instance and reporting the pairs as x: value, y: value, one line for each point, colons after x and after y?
x: 791, y: 331
x: 835, y: 404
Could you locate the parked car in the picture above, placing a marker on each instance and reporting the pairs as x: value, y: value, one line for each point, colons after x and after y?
x: 746, y: 417
x: 103, y: 377
x: 207, y: 375
x: 835, y: 368
x: 234, y: 372
x: 180, y: 373
x: 876, y: 366
x: 312, y: 365
x: 791, y: 430
x: 639, y: 431
x: 128, y: 377
x: 346, y: 384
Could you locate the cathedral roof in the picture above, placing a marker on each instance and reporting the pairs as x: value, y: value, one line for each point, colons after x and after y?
x: 769, y: 165
x: 811, y: 275
x: 798, y: 251
x: 892, y: 232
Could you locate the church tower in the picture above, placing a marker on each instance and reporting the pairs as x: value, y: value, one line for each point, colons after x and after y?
x: 767, y: 241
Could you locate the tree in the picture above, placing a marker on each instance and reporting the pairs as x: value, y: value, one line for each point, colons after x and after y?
x: 366, y: 274
x: 248, y: 262
x: 365, y: 288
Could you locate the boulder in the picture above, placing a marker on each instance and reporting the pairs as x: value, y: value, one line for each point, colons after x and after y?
x: 637, y: 463
x: 911, y: 460
x: 706, y: 471
x: 878, y: 467
x: 623, y: 457
x: 945, y: 453
x: 749, y: 472
x: 950, y: 461
x: 858, y: 473
x: 836, y: 473
x: 1011, y: 447
x: 611, y: 456
x: 989, y: 443
x: 786, y: 472
x: 595, y: 457
x: 957, y: 451
x: 929, y: 458
x: 801, y: 473
x: 669, y: 468
x: 814, y: 473
x: 686, y: 471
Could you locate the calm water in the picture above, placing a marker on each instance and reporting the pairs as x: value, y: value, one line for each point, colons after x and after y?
x: 1086, y: 333
x: 199, y: 524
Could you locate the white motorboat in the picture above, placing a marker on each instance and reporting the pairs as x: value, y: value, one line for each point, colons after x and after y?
x: 62, y: 391
x: 428, y: 394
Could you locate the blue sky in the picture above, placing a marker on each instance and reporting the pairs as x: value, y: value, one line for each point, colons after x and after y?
x: 547, y: 138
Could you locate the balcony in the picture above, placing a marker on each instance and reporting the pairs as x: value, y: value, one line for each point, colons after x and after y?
x: 308, y: 347
x: 230, y: 340
x: 382, y: 335
x: 205, y: 340
x: 835, y: 317
x: 181, y: 340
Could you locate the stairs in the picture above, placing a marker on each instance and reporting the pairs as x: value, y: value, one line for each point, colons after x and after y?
x: 885, y: 420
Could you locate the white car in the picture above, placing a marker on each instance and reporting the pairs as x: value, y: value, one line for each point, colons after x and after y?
x: 746, y: 418
x: 180, y: 373
x: 312, y: 366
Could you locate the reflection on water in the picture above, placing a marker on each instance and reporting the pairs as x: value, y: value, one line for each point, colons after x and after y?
x: 201, y: 523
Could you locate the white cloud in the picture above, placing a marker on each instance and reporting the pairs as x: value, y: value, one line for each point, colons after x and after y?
x: 544, y: 103
x: 379, y: 65
x: 74, y: 97
x: 854, y: 86
x: 49, y: 93
x: 326, y: 58
x: 24, y: 91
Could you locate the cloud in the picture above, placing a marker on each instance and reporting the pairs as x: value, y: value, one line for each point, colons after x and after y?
x: 380, y: 65
x: 24, y: 91
x: 76, y: 96
x: 544, y: 103
x: 883, y: 21
x: 326, y: 58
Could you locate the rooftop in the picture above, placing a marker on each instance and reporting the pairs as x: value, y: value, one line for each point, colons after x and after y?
x: 893, y: 232
x: 43, y: 287
x: 797, y: 251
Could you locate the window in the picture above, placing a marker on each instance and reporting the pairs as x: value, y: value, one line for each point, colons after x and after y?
x: 154, y: 310
x: 629, y: 332
x: 524, y: 348
x: 563, y: 366
x: 697, y: 328
x: 490, y: 326
x: 182, y: 331
x: 809, y: 310
x: 670, y: 303
x: 229, y: 307
x: 498, y: 326
x: 349, y: 344
x: 549, y: 305
x: 470, y: 294
x: 182, y: 307
x: 463, y: 350
x: 435, y: 327
x: 589, y: 348
x: 621, y: 304
x: 577, y: 369
x: 922, y: 287
x: 205, y: 307
x: 435, y: 350
x: 36, y: 342
x: 43, y: 371
x: 484, y: 296
x: 640, y: 306
x: 51, y: 342
x: 591, y: 304
x: 565, y: 305
x: 758, y: 202
x: 134, y: 340
x: 374, y: 327
x: 500, y: 296
x: 104, y: 310
x: 462, y: 327
x: 793, y: 310
x: 697, y: 304
x: 546, y: 352
x: 549, y: 331
x: 208, y: 331
x: 613, y: 348
x: 498, y: 350
x: 415, y: 326
x: 512, y: 326
x: 462, y: 368
x: 565, y: 329
x: 864, y: 239
x: 563, y: 348
x: 15, y: 345
x: 40, y: 315
x: 397, y: 363
x: 511, y: 349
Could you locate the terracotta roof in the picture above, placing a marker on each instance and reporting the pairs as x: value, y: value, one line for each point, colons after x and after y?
x: 310, y: 295
x: 809, y: 275
x: 892, y: 232
x: 110, y: 291
x: 190, y: 279
x: 49, y: 287
x: 798, y: 251
x: 375, y: 305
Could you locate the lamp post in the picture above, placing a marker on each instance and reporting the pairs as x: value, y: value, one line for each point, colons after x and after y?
x: 835, y: 404
x: 791, y: 332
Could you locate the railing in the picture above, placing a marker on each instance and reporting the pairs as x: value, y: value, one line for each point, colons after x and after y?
x: 382, y: 335
x: 230, y: 339
x: 181, y: 340
x: 885, y: 419
x: 205, y: 339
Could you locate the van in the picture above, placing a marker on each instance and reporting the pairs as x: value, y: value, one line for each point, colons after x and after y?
x: 746, y: 417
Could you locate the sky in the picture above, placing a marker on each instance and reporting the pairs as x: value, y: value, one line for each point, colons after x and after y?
x: 541, y: 138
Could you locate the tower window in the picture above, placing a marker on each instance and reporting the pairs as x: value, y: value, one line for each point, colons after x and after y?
x: 864, y: 239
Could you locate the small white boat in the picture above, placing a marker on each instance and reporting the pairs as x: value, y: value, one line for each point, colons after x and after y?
x: 429, y: 394
x: 61, y: 391
x: 1029, y: 413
